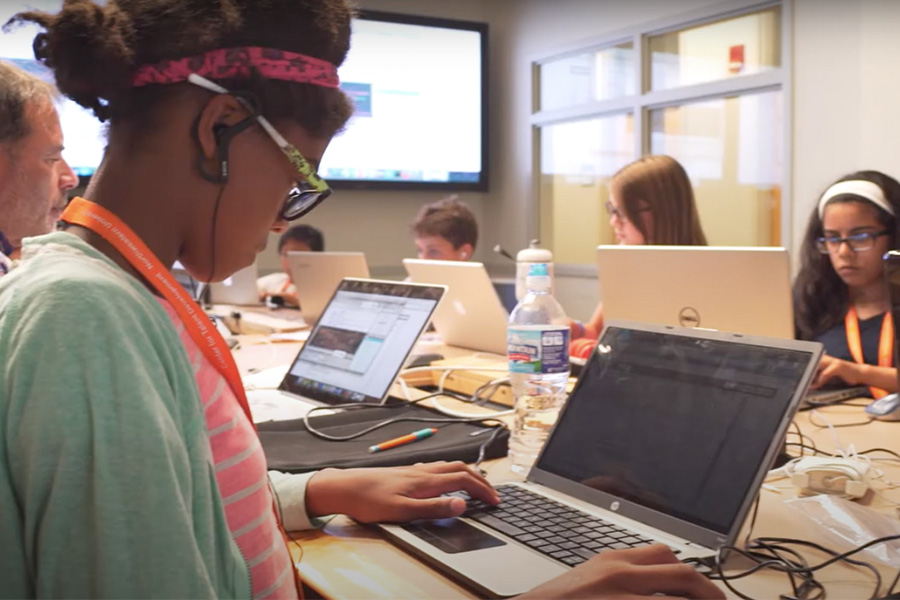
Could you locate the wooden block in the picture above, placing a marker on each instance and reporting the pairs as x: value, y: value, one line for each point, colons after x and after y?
x: 465, y: 381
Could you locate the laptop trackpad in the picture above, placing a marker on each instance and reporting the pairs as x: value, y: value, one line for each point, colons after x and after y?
x: 453, y: 535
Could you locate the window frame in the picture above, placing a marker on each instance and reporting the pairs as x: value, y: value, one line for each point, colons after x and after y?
x: 644, y: 101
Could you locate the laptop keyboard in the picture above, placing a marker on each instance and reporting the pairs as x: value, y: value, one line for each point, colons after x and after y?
x: 561, y: 532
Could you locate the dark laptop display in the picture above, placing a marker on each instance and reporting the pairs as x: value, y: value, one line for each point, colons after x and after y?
x: 666, y: 438
x: 675, y: 424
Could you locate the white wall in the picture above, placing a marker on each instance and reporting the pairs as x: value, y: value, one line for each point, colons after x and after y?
x: 846, y: 90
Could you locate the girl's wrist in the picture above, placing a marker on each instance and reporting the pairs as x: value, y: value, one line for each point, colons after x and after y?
x: 579, y: 329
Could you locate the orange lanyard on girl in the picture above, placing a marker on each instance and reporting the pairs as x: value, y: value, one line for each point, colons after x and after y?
x: 885, y: 344
x: 129, y: 245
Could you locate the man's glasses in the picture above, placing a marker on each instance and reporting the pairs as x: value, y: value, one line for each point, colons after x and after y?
x: 858, y: 242
x: 310, y: 189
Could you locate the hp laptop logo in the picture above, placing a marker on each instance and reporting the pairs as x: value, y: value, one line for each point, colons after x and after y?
x: 689, y: 317
x: 614, y: 506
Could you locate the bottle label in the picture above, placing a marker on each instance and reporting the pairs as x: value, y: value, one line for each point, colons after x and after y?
x: 544, y: 351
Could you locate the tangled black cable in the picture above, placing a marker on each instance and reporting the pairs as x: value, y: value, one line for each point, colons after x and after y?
x: 774, y: 553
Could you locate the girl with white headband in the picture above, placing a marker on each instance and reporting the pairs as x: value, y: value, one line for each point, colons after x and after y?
x: 840, y: 294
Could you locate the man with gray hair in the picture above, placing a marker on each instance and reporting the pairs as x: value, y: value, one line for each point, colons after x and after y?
x: 34, y: 177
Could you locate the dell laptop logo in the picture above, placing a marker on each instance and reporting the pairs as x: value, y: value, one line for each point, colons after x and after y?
x: 689, y: 317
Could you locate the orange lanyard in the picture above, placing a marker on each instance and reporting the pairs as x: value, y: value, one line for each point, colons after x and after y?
x: 885, y: 344
x: 198, y: 325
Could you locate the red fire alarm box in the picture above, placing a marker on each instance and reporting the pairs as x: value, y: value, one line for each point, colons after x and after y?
x: 736, y: 59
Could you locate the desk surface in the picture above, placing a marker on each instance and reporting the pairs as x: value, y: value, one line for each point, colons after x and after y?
x: 348, y: 560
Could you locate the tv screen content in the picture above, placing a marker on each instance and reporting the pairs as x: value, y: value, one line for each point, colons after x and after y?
x: 418, y: 90
x: 418, y: 86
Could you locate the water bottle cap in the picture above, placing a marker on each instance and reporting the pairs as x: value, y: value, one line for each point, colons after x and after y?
x: 538, y: 270
x: 538, y: 277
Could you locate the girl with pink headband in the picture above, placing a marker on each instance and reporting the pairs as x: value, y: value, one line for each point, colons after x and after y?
x: 129, y: 464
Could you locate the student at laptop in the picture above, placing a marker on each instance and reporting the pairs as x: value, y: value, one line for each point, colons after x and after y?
x: 299, y: 238
x: 840, y: 294
x: 445, y: 230
x: 651, y: 201
x: 134, y: 470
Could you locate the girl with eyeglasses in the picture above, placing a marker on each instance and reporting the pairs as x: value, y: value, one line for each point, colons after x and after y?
x: 841, y: 297
x: 651, y: 202
x: 129, y: 464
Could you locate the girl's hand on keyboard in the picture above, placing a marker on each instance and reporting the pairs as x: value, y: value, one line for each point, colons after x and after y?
x: 636, y: 573
x: 397, y: 493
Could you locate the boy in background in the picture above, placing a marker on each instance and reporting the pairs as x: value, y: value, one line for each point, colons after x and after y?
x: 300, y: 238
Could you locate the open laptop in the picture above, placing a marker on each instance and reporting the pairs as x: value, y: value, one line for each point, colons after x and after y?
x: 239, y: 289
x: 742, y: 290
x: 356, y: 349
x: 317, y: 274
x: 471, y: 315
x: 666, y: 438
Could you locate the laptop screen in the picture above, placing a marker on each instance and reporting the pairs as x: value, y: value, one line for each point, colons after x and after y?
x: 361, y: 340
x: 677, y: 424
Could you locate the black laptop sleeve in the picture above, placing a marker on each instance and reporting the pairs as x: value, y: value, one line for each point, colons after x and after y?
x: 291, y: 448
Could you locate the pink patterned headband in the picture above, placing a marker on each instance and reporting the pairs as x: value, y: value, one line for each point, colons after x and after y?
x: 230, y: 63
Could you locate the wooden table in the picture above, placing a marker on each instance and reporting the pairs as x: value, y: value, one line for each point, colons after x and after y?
x: 348, y: 560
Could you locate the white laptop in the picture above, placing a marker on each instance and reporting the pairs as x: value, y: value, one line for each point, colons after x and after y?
x: 317, y: 274
x: 741, y: 290
x: 471, y: 315
x: 239, y: 289
x: 356, y: 349
x: 666, y: 438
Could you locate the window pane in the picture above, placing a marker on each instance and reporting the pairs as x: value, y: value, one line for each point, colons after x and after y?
x: 733, y: 151
x: 577, y: 160
x: 583, y: 78
x: 741, y: 46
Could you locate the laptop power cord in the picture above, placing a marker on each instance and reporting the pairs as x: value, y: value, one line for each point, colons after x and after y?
x: 779, y: 554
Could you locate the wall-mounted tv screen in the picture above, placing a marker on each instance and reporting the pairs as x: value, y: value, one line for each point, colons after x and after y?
x: 420, y: 90
x: 419, y: 86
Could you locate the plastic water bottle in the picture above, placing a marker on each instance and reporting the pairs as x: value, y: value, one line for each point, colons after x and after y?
x: 538, y: 352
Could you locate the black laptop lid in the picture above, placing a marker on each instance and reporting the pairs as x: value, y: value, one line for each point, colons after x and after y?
x: 677, y: 423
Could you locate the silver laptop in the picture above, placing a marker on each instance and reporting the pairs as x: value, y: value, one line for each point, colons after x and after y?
x: 356, y: 349
x: 742, y: 290
x: 239, y: 289
x: 471, y: 315
x: 317, y: 274
x: 666, y: 438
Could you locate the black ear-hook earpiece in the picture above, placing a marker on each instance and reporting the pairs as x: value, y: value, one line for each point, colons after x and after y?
x: 223, y: 135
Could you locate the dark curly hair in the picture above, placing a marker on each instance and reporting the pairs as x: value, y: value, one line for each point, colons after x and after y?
x: 94, y: 49
x: 821, y: 298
